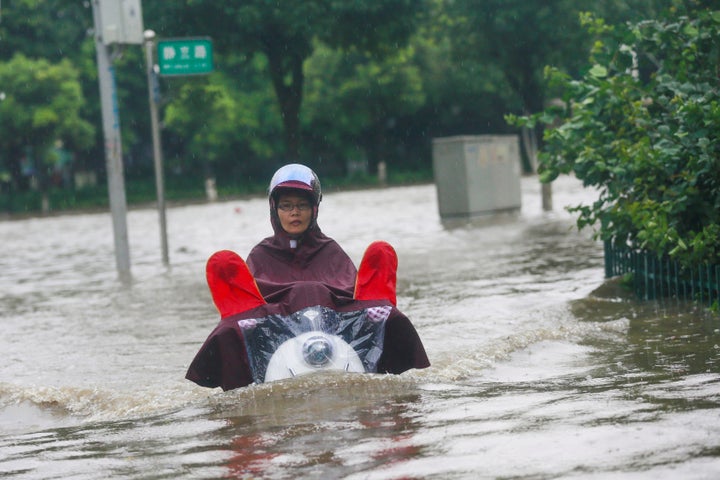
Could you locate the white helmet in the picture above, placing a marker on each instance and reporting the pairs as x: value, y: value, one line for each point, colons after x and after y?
x: 296, y: 176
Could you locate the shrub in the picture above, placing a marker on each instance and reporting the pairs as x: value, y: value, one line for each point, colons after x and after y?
x: 643, y: 126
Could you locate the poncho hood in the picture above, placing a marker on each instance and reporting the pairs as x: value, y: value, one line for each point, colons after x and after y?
x: 277, y: 265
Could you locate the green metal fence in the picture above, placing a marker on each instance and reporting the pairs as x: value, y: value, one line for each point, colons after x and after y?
x: 655, y: 277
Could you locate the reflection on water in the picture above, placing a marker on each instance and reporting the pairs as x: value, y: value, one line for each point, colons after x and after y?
x: 541, y: 369
x: 667, y: 337
x: 330, y: 420
x: 675, y: 342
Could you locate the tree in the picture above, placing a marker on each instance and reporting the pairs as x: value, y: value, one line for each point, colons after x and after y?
x: 520, y: 38
x: 285, y: 32
x: 464, y: 95
x: 355, y: 101
x: 40, y: 103
x: 51, y: 29
x: 643, y: 126
x: 213, y: 124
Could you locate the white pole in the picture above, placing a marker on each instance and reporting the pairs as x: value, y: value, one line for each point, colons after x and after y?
x: 113, y: 150
x: 153, y: 94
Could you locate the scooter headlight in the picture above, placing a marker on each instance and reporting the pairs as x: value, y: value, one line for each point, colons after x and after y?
x: 317, y: 351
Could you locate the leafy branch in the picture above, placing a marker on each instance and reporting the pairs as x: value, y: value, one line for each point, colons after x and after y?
x: 643, y: 126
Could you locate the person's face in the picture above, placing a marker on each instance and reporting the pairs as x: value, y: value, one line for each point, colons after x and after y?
x: 295, y: 213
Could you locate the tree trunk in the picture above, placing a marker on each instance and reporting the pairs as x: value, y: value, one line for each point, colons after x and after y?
x: 530, y: 146
x: 13, y: 161
x: 289, y: 95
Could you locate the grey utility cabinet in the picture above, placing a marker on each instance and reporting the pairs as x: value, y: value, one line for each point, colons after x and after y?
x: 477, y: 175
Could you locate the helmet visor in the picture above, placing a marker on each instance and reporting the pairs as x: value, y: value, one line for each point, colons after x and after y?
x: 293, y: 175
x: 299, y: 177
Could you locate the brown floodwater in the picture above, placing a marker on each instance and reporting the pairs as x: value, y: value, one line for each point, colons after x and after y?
x: 541, y: 368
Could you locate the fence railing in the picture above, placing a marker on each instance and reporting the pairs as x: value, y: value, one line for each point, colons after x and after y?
x: 654, y: 277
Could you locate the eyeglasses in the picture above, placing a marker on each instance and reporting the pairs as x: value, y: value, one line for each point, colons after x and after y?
x: 289, y: 207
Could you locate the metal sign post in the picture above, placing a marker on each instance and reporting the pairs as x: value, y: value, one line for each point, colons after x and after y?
x: 113, y: 149
x: 185, y: 56
x: 153, y: 99
x: 115, y: 22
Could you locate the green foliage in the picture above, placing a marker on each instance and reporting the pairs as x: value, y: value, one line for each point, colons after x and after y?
x: 40, y: 103
x: 361, y: 80
x: 286, y: 35
x: 51, y: 29
x: 516, y: 39
x: 643, y: 126
x: 223, y: 123
x: 714, y: 307
x: 497, y: 30
x: 357, y: 97
x: 627, y: 281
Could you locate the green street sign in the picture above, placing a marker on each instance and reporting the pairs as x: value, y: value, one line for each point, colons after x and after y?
x: 185, y: 56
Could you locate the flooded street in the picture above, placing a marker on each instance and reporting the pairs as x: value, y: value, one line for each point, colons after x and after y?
x: 540, y: 368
